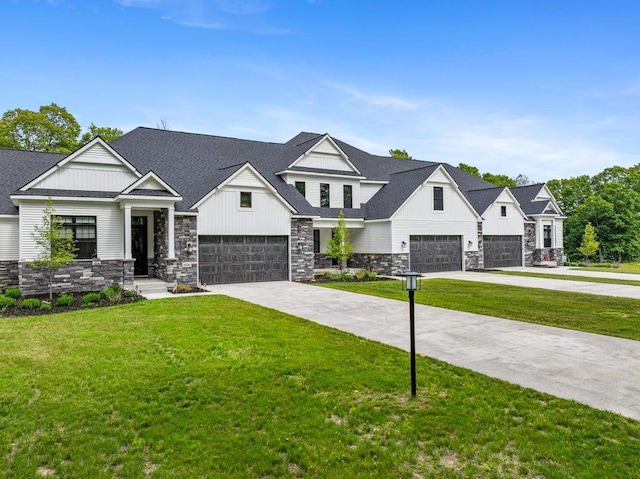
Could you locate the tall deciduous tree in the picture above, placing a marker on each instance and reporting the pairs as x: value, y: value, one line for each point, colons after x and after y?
x: 403, y: 154
x: 498, y: 180
x: 56, y: 246
x: 339, y: 246
x: 589, y: 245
x: 108, y: 134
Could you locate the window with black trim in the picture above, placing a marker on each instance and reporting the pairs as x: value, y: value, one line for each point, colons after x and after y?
x: 438, y: 198
x: 83, y: 231
x: 301, y: 186
x: 547, y: 236
x: 348, y: 196
x: 245, y: 199
x: 316, y: 241
x: 503, y: 211
x: 324, y: 195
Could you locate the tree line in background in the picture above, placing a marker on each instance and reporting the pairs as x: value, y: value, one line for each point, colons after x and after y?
x: 610, y: 202
x: 52, y: 128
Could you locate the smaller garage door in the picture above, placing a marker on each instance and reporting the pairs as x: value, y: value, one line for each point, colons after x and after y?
x: 502, y: 251
x: 243, y: 259
x: 431, y: 254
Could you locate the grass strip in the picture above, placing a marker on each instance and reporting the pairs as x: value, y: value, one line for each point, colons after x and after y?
x: 216, y: 387
x: 586, y: 279
x: 607, y: 315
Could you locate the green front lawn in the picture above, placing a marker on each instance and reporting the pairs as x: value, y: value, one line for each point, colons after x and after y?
x: 586, y: 279
x: 584, y: 312
x: 214, y: 387
x: 632, y: 268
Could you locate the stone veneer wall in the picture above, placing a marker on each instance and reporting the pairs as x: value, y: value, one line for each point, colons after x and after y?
x: 186, y: 266
x: 322, y: 262
x: 302, y: 257
x: 475, y: 259
x: 382, y: 263
x: 163, y: 267
x: 529, y: 243
x: 76, y: 277
x: 548, y: 254
x: 8, y: 274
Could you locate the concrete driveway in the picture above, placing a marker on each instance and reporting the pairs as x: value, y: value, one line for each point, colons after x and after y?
x: 606, y: 289
x: 601, y: 371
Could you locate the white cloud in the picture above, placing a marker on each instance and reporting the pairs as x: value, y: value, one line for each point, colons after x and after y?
x: 374, y: 100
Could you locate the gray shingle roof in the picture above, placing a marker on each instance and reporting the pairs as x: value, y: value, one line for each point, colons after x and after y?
x: 525, y: 196
x: 18, y: 168
x: 482, y: 199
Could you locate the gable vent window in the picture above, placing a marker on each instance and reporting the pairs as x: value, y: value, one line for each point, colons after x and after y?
x: 438, y: 198
x: 503, y: 211
x: 245, y: 199
x: 83, y: 231
x: 324, y: 195
x: 348, y: 196
x: 301, y: 186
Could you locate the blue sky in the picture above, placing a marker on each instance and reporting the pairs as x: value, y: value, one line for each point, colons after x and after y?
x: 545, y: 88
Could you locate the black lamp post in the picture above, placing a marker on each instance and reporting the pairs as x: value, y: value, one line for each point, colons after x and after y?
x: 410, y: 283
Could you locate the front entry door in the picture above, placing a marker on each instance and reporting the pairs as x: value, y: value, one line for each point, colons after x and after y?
x: 139, y: 245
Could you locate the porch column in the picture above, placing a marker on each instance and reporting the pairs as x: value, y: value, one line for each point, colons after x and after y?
x: 539, y: 239
x: 171, y: 233
x: 553, y: 233
x: 127, y: 232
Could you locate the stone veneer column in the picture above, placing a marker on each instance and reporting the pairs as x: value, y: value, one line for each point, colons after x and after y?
x: 8, y: 274
x: 475, y: 259
x: 160, y: 243
x: 529, y: 244
x: 186, y: 266
x: 302, y: 257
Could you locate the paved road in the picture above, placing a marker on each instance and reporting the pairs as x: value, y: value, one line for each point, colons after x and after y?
x: 601, y: 371
x: 618, y: 290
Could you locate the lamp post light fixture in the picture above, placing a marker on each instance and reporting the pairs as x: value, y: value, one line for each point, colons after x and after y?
x: 411, y: 284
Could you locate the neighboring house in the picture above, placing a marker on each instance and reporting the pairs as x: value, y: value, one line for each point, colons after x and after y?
x: 194, y: 208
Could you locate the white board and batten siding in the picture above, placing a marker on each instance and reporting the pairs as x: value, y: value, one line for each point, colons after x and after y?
x: 417, y: 216
x: 9, y: 239
x: 326, y: 157
x: 221, y: 214
x: 109, y: 226
x: 496, y: 224
x: 559, y: 238
x: 368, y: 190
x: 374, y: 238
x: 94, y: 170
x: 336, y: 190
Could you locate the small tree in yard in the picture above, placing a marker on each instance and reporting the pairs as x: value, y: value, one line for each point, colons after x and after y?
x: 339, y: 247
x: 589, y: 245
x: 55, y: 244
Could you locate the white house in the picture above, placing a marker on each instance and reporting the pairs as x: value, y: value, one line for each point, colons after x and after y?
x: 197, y: 208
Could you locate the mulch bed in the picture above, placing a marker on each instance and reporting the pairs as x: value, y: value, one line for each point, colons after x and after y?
x: 17, y: 311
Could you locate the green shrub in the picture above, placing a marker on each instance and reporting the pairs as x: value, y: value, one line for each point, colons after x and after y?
x: 14, y: 293
x: 91, y: 298
x: 347, y: 277
x: 45, y: 306
x: 64, y: 300
x: 114, y: 296
x: 6, y: 302
x: 130, y: 293
x: 360, y: 275
x: 603, y: 265
x: 103, y: 294
x: 30, y: 303
x: 115, y: 288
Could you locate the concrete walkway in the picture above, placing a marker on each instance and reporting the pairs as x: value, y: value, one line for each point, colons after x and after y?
x: 619, y: 290
x: 601, y: 371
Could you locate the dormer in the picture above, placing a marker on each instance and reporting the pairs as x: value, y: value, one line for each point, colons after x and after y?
x: 325, y: 154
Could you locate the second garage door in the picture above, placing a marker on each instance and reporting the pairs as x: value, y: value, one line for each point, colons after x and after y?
x: 431, y: 254
x: 502, y: 251
x: 243, y: 259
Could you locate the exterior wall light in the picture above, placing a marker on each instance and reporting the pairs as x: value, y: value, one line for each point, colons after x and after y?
x: 469, y: 243
x: 404, y: 244
x: 412, y: 284
x: 189, y: 248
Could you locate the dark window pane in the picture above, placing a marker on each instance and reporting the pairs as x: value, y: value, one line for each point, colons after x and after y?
x: 83, y: 230
x: 316, y: 241
x: 245, y: 199
x: 438, y: 198
x: 324, y: 195
x: 301, y: 186
x: 547, y: 236
x: 348, y: 196
x: 503, y: 211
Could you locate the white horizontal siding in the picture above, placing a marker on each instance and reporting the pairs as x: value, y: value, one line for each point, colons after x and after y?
x: 325, y: 146
x: 9, y: 239
x: 367, y: 191
x: 109, y: 226
x: 221, y: 214
x: 86, y: 177
x: 97, y: 154
x: 375, y: 238
x: 246, y: 177
x: 324, y: 161
x: 559, y: 234
x: 336, y: 191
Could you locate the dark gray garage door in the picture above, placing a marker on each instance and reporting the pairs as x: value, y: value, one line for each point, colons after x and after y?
x: 243, y: 259
x: 430, y: 254
x: 502, y: 251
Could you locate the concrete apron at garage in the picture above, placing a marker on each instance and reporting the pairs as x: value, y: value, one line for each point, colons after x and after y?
x: 601, y: 371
